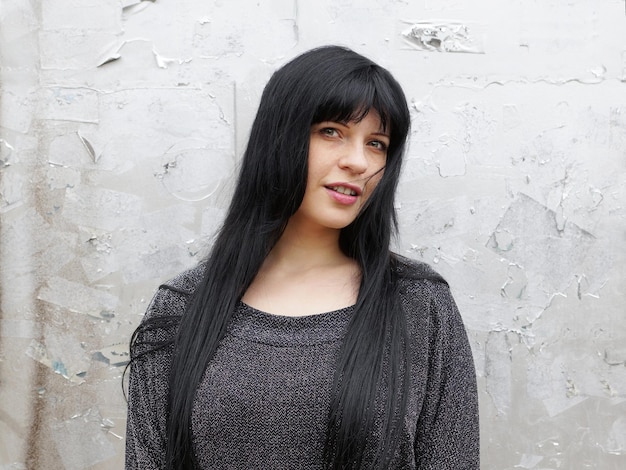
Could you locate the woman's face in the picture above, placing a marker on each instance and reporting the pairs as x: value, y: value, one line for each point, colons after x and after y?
x: 346, y: 163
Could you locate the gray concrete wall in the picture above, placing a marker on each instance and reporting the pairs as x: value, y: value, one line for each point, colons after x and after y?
x: 121, y: 122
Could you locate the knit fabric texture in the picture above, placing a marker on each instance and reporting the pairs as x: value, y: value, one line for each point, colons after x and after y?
x: 264, y: 399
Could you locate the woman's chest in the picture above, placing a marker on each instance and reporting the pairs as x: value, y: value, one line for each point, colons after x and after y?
x: 259, y: 406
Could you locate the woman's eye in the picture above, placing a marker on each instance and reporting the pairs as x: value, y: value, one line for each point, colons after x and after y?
x: 329, y: 131
x: 379, y: 145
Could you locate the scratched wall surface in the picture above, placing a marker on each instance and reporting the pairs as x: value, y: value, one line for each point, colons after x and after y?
x: 121, y: 124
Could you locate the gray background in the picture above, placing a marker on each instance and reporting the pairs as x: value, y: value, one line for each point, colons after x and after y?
x: 121, y: 125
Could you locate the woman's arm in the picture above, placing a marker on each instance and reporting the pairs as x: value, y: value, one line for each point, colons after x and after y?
x: 447, y: 432
x: 148, y: 384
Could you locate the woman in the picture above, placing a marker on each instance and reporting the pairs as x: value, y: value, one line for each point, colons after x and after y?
x: 302, y: 341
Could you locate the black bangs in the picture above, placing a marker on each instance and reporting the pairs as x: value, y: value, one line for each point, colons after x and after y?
x: 352, y: 98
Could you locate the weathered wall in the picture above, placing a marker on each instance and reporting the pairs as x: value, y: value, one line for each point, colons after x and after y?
x: 121, y: 122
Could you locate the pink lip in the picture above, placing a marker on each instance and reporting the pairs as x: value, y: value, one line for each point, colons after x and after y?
x: 345, y: 199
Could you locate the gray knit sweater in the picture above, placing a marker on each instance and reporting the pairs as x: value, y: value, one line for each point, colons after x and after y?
x: 264, y: 399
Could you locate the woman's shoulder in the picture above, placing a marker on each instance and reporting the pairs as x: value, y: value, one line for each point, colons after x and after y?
x: 420, y: 286
x: 162, y: 317
x: 186, y: 282
x: 410, y: 270
x: 427, y: 300
x: 172, y: 296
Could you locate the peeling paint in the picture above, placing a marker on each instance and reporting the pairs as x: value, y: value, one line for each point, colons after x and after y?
x: 11, y: 190
x: 39, y: 353
x: 116, y: 355
x: 444, y: 36
x: 90, y: 150
x: 617, y: 437
x: 5, y: 153
x: 115, y: 53
x: 562, y: 247
x: 79, y: 298
x: 135, y: 6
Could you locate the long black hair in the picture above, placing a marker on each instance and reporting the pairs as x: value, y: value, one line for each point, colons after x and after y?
x: 329, y: 83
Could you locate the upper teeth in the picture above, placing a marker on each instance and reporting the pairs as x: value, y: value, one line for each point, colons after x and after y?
x: 344, y: 190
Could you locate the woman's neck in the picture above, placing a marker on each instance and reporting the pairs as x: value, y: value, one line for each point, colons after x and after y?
x: 300, y: 249
x: 305, y: 273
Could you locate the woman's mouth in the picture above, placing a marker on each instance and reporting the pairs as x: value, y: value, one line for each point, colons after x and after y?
x: 344, y: 190
x: 343, y: 193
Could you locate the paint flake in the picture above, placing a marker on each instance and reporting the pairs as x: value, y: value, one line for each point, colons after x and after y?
x: 6, y: 149
x: 115, y: 355
x: 139, y: 47
x: 11, y: 189
x: 617, y: 437
x: 40, y: 353
x: 89, y: 147
x: 78, y: 297
x: 68, y: 151
x: 529, y: 461
x: 444, y: 36
x: 530, y: 235
x: 135, y: 6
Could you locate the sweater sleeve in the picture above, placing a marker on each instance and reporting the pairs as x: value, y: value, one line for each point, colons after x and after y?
x: 148, y: 389
x: 447, y: 435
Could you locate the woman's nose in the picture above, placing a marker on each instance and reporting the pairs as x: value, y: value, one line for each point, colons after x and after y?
x: 354, y: 159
